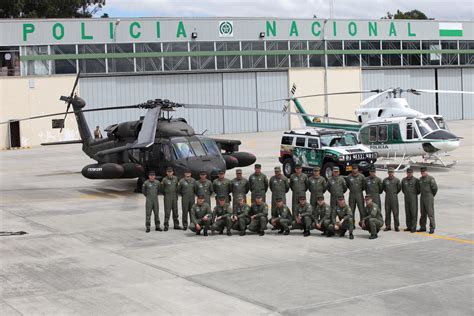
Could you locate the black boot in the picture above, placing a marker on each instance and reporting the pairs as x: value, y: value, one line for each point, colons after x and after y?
x: 386, y: 229
x: 374, y: 236
x: 286, y: 232
x: 242, y: 233
x: 185, y: 227
x: 261, y: 233
x: 205, y: 232
x: 397, y: 229
x: 177, y: 227
x: 431, y: 230
x: 221, y: 232
x: 147, y: 230
x: 229, y: 232
x: 166, y: 228
x: 281, y: 231
x: 306, y: 233
x: 351, y: 236
x: 158, y: 229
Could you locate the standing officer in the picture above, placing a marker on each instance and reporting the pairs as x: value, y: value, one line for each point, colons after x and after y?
x: 336, y: 186
x: 221, y: 216
x: 259, y: 216
x: 240, y: 215
x: 342, y: 220
x: 392, y: 186
x: 303, y: 216
x: 374, y: 187
x: 279, y: 186
x: 428, y: 189
x: 373, y: 220
x: 204, y: 187
x: 186, y: 190
x: 239, y: 186
x: 258, y: 183
x: 281, y: 217
x: 411, y: 189
x: 356, y: 185
x: 150, y: 189
x: 222, y: 187
x: 317, y: 186
x: 298, y: 185
x: 201, y: 215
x: 322, y: 216
x: 170, y: 192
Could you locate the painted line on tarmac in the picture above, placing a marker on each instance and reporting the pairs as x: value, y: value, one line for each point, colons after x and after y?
x: 460, y: 240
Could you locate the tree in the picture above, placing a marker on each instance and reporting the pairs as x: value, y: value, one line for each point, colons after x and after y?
x: 408, y: 15
x: 49, y: 8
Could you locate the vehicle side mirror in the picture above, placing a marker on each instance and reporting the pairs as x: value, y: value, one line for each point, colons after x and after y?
x: 314, y: 146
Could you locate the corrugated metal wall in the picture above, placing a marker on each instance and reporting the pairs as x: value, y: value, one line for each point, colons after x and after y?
x: 468, y: 99
x: 450, y: 105
x: 239, y: 89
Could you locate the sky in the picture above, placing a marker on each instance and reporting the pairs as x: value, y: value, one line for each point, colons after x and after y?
x: 342, y: 9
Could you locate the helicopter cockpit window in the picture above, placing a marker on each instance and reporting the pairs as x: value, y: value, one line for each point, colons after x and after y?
x: 423, y: 127
x: 183, y: 150
x: 197, y: 148
x: 411, y: 131
x: 441, y: 123
x: 431, y: 123
x: 211, y: 147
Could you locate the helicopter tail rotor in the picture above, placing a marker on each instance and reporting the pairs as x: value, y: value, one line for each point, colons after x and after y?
x: 69, y: 99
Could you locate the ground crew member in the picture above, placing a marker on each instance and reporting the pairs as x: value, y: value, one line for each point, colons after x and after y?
x: 281, y: 217
x: 258, y: 183
x: 204, y: 187
x: 322, y: 216
x: 356, y: 185
x: 392, y: 186
x: 221, y: 186
x: 240, y: 215
x: 186, y: 190
x: 169, y: 186
x: 221, y: 216
x: 411, y: 189
x: 150, y: 189
x: 298, y: 185
x: 303, y: 216
x: 317, y: 186
x: 373, y: 220
x: 341, y: 220
x: 428, y: 190
x: 374, y: 187
x: 201, y: 215
x: 336, y: 186
x: 97, y: 133
x: 258, y: 216
x: 279, y: 186
x: 239, y: 186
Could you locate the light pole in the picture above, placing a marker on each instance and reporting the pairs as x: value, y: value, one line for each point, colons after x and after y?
x: 326, y: 104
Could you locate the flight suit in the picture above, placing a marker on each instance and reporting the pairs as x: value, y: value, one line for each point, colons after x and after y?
x: 169, y: 186
x: 222, y: 188
x: 258, y: 185
x: 344, y: 214
x: 356, y: 186
x: 197, y: 215
x: 322, y: 216
x: 411, y: 189
x: 239, y: 187
x: 151, y: 189
x: 279, y: 187
x: 317, y: 186
x: 373, y: 219
x: 219, y: 224
x: 204, y: 188
x: 391, y: 187
x: 243, y: 217
x: 336, y: 186
x: 282, y: 216
x: 428, y: 190
x: 259, y: 223
x: 374, y: 187
x: 299, y: 186
x: 186, y: 190
x: 306, y: 214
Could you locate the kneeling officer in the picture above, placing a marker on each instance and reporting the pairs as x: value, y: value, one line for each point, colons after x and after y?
x: 201, y: 216
x: 343, y: 212
x: 373, y: 220
x: 258, y: 215
x: 281, y: 217
x: 221, y: 216
x: 303, y: 216
x: 240, y: 215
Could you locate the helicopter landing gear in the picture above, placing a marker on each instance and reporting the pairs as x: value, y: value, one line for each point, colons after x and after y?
x: 140, y: 181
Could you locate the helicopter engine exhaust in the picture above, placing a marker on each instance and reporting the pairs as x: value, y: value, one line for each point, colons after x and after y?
x: 244, y: 159
x: 230, y: 162
x: 112, y: 171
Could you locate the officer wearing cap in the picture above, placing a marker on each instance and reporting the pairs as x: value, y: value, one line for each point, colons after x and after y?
x: 239, y: 187
x: 411, y: 189
x: 322, y: 216
x: 303, y: 216
x: 336, y: 185
x: 281, y: 217
x: 356, y: 185
x: 298, y: 185
x: 341, y: 220
x: 258, y: 216
x: 204, y: 187
x: 222, y: 186
x: 279, y: 186
x: 186, y: 187
x: 428, y: 189
x: 258, y: 183
x: 240, y: 215
x: 151, y: 188
x: 372, y: 220
x: 392, y: 186
x: 374, y: 186
x: 317, y: 186
x: 169, y: 186
x: 201, y: 216
x: 221, y: 216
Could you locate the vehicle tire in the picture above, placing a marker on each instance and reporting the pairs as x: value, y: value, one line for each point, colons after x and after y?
x: 288, y: 167
x: 327, y: 169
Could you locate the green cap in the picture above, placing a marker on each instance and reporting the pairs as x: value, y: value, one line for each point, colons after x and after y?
x: 335, y: 168
x: 391, y: 169
x: 316, y: 169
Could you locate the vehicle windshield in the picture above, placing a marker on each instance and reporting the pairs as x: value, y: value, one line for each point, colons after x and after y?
x: 424, y: 127
x: 211, y: 147
x: 337, y: 140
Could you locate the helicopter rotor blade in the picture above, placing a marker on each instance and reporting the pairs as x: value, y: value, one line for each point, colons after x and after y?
x: 414, y: 91
x: 70, y: 99
x: 373, y: 97
x: 323, y: 94
x: 147, y: 134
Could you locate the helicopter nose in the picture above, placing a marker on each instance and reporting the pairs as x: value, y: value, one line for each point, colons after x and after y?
x: 447, y: 145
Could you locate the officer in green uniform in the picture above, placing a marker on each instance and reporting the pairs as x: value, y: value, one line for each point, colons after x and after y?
x: 281, y: 217
x: 258, y: 216
x: 240, y: 215
x: 169, y: 186
x: 428, y: 189
x: 317, y: 186
x: 322, y: 216
x: 303, y: 216
x: 186, y: 190
x: 222, y: 187
x: 411, y: 189
x: 341, y: 220
x: 221, y: 216
x: 356, y: 185
x: 150, y: 189
x: 372, y: 220
x: 258, y: 183
x: 298, y: 185
x: 201, y: 216
x: 279, y: 186
x: 204, y: 187
x: 392, y: 186
x: 239, y: 186
x: 374, y: 187
x: 336, y: 186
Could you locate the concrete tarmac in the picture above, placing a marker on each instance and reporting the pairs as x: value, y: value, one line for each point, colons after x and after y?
x: 86, y: 251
